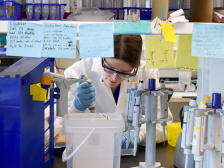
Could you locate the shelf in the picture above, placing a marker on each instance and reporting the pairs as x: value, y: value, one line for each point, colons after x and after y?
x: 179, y: 28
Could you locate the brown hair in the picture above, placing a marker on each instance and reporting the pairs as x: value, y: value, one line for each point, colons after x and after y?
x: 128, y: 48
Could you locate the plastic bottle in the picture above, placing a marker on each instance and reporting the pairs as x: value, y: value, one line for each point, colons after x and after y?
x: 208, y: 101
x: 37, y: 9
x: 45, y: 10
x: 29, y: 10
x: 9, y: 9
x: 53, y: 10
x: 162, y: 84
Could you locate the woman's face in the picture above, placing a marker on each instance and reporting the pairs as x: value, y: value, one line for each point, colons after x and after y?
x: 113, y: 80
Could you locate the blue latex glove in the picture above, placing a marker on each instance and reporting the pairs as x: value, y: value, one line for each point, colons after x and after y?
x: 131, y: 140
x: 85, y: 95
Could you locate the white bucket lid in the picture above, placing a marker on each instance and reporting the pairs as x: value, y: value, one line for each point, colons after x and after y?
x: 103, y: 121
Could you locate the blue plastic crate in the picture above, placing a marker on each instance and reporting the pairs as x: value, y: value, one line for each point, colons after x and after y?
x: 10, y: 10
x: 145, y: 13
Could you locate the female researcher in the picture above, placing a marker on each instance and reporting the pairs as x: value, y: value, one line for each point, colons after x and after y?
x: 111, y: 77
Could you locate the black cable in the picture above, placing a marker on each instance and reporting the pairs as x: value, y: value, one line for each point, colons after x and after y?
x: 181, y: 117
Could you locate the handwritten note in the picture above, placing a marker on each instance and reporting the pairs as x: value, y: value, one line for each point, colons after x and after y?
x: 168, y: 32
x: 140, y: 27
x: 207, y: 40
x: 159, y: 54
x: 184, y: 60
x: 24, y: 39
x: 59, y: 40
x: 96, y: 40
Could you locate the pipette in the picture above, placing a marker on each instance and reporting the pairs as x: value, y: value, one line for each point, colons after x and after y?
x: 197, y: 133
x: 189, y: 130
x: 136, y: 123
x: 128, y: 105
x: 132, y: 101
x: 92, y: 107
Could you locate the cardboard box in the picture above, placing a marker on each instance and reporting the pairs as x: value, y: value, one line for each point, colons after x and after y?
x: 201, y: 10
x: 157, y: 6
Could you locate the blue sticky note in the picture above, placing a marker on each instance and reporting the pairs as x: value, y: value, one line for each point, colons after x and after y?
x: 140, y: 27
x: 24, y: 39
x: 96, y: 40
x: 59, y: 40
x: 207, y: 40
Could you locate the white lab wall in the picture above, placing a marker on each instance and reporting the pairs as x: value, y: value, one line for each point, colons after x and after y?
x: 210, y: 77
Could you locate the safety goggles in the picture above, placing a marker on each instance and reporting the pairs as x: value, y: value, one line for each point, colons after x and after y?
x: 117, y: 72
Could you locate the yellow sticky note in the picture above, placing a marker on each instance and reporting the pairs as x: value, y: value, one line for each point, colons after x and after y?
x: 184, y: 60
x: 168, y: 32
x: 159, y: 54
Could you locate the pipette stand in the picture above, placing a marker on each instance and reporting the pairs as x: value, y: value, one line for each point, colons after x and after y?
x: 151, y: 98
x: 214, y: 146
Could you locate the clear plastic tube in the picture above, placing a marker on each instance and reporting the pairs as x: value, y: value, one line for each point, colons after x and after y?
x: 9, y: 10
x: 1, y: 11
x: 53, y: 10
x: 29, y: 10
x: 37, y: 9
x: 45, y: 10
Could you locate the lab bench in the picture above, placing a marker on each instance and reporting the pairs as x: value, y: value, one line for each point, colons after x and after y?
x: 164, y: 155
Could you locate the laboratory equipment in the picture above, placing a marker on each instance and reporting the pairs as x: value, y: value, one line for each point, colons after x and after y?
x: 60, y: 10
x: 22, y: 119
x: 102, y: 133
x: 187, y: 134
x: 29, y: 9
x: 213, y: 146
x: 37, y: 9
x: 199, y: 133
x: 45, y: 10
x: 129, y: 110
x: 150, y: 107
x: 92, y: 107
x: 53, y: 10
x: 211, y: 150
x: 63, y: 83
x: 1, y: 10
x: 10, y: 9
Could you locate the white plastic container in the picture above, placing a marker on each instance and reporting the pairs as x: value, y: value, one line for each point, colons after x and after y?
x: 100, y: 137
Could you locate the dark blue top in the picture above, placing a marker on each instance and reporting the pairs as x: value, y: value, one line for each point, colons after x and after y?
x: 116, y: 94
